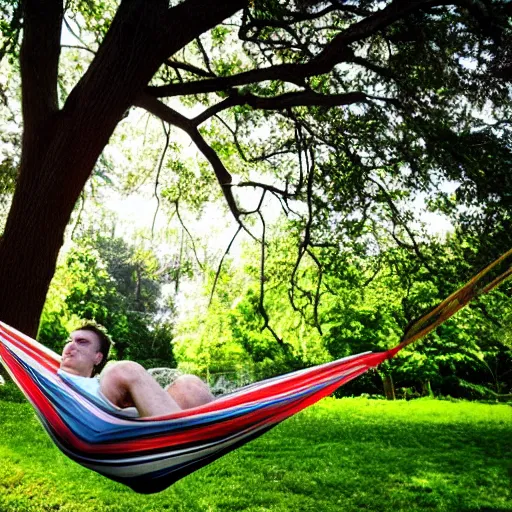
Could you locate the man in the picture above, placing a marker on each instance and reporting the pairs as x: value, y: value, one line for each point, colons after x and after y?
x: 125, y: 384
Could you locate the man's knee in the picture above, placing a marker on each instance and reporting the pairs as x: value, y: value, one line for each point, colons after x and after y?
x: 118, y: 380
x: 189, y: 381
x: 123, y: 373
x: 190, y: 391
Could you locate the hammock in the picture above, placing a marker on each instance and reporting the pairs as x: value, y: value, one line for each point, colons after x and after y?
x: 150, y: 454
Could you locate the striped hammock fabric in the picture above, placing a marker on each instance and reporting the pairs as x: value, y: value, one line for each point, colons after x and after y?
x: 149, y: 454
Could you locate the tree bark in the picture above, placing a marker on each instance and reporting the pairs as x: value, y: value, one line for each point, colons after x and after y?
x: 389, y: 387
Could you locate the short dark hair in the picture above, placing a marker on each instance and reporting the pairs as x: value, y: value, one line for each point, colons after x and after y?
x: 105, y: 344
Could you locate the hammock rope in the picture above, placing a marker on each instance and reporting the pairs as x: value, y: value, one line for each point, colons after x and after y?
x: 150, y: 454
x: 480, y: 284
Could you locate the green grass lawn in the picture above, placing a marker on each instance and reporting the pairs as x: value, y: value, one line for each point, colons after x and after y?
x: 340, y: 455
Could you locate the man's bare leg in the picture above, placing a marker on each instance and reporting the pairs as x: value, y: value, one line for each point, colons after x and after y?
x: 190, y: 391
x: 128, y: 384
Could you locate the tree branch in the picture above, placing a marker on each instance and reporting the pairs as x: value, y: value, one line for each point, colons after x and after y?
x: 189, y: 68
x: 289, y: 100
x: 241, y: 152
x: 198, y: 21
x: 379, y: 70
x: 292, y: 73
x: 372, y: 24
x: 167, y: 132
x: 261, y: 305
x: 316, y: 302
x: 206, y: 58
x: 77, y: 36
x: 335, y: 52
x: 169, y: 115
x: 217, y: 274
x: 303, y: 247
x: 188, y: 234
x: 290, y: 18
x: 269, y: 188
x: 77, y: 47
x: 397, y: 219
x: 229, y: 102
x: 79, y: 216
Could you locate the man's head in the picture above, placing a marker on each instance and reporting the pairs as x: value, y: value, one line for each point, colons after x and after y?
x: 86, y: 352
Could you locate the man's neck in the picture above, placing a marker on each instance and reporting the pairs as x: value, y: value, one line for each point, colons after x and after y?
x: 75, y: 371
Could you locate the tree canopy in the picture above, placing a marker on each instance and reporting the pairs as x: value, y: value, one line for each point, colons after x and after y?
x: 344, y: 112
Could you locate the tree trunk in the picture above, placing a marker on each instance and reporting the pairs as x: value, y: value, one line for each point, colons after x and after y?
x: 28, y: 254
x: 59, y: 151
x: 427, y: 389
x: 389, y: 387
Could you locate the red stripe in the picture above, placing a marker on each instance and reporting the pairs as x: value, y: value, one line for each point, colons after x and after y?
x: 40, y: 402
x: 192, y: 436
x: 31, y: 348
x: 283, y: 386
x: 225, y: 429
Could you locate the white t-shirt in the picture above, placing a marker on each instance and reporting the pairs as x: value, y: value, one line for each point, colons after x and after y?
x: 91, y: 386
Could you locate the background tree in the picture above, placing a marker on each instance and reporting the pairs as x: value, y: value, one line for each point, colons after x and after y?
x: 359, y: 309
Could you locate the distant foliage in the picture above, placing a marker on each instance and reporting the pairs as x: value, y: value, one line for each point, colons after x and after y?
x: 365, y: 303
x: 116, y: 285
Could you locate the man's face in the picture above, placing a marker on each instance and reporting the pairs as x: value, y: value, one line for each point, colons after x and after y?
x: 81, y: 353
